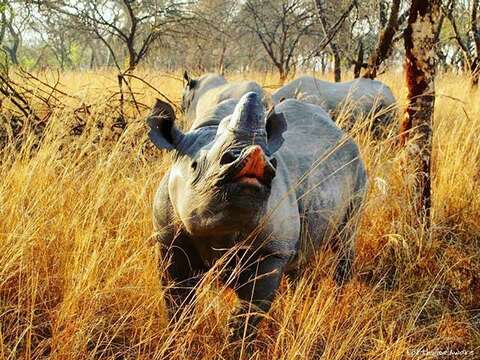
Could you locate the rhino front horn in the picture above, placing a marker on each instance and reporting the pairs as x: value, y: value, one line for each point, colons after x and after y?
x: 249, y: 114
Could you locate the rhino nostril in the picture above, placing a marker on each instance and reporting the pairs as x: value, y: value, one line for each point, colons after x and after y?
x: 228, y: 158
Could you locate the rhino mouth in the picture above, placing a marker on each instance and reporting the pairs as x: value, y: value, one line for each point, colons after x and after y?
x: 251, y: 169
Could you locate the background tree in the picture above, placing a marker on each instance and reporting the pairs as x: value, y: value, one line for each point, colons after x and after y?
x: 279, y: 25
x: 385, y: 39
x: 12, y: 24
x: 467, y: 36
x: 59, y: 38
x: 325, y: 24
x: 420, y: 65
x: 210, y: 39
x: 135, y: 25
x: 296, y: 35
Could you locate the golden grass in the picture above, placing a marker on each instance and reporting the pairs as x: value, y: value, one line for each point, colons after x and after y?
x: 78, y: 270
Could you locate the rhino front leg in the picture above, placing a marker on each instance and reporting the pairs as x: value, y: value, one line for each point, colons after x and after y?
x: 256, y: 288
x: 185, y: 270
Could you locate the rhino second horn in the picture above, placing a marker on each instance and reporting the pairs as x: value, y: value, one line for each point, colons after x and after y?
x: 249, y: 114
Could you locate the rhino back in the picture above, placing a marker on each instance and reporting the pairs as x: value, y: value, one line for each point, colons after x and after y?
x: 368, y: 91
x: 364, y: 93
x: 295, y: 87
x: 323, y: 168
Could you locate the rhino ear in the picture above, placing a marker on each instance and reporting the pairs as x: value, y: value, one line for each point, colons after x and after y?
x: 190, y: 82
x: 186, y: 77
x: 163, y: 132
x: 276, y: 125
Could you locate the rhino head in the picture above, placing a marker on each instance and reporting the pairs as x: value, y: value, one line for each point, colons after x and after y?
x: 194, y: 89
x: 221, y: 177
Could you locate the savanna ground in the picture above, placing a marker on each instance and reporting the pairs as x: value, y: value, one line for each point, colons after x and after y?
x: 79, y: 274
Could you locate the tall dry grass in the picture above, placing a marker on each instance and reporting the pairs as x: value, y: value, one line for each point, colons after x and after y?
x: 79, y: 274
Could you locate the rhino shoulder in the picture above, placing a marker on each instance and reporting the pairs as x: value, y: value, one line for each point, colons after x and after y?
x: 298, y: 110
x: 374, y: 87
x: 305, y: 79
x: 302, y: 86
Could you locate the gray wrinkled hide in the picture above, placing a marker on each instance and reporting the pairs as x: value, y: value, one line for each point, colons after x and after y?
x: 315, y: 196
x: 364, y: 95
x: 320, y: 181
x: 203, y: 85
x: 212, y: 89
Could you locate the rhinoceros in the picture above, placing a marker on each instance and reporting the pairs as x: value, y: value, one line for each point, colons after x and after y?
x: 240, y: 179
x: 364, y: 96
x: 203, y: 94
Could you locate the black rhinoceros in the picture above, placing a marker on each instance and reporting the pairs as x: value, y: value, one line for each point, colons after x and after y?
x: 203, y: 94
x: 361, y: 96
x: 240, y: 178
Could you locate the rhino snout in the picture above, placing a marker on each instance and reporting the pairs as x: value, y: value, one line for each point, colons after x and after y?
x: 250, y: 166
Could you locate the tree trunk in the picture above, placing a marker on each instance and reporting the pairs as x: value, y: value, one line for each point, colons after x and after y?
x: 323, y: 63
x: 12, y: 53
x: 419, y: 40
x: 359, y: 62
x: 382, y: 51
x: 221, y: 61
x: 93, y: 58
x: 132, y: 58
x: 282, y: 74
x: 13, y: 49
x: 337, y: 66
x: 333, y: 47
x: 475, y: 69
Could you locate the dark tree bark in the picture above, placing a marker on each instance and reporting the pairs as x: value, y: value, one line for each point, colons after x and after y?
x: 383, y: 49
x: 323, y: 61
x: 359, y: 62
x: 420, y: 64
x: 93, y: 58
x: 337, y: 62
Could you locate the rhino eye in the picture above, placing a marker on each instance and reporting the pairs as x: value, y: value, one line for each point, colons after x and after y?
x: 227, y: 158
x: 194, y: 165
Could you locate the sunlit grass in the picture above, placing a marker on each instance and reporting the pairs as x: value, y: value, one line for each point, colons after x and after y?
x: 79, y: 274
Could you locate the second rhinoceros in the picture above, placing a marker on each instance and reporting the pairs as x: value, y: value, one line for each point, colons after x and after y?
x: 245, y: 181
x: 205, y: 93
x: 361, y: 96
